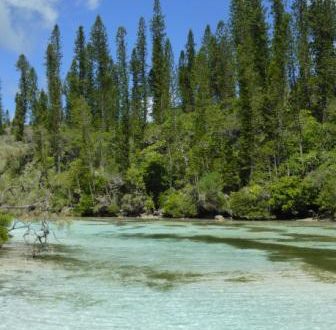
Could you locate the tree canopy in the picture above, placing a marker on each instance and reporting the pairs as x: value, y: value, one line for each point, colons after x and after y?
x: 244, y: 125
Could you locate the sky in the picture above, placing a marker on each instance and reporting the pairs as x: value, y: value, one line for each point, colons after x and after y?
x: 25, y: 26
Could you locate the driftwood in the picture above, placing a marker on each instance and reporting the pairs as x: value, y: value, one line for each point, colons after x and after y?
x: 37, y: 238
x: 23, y: 207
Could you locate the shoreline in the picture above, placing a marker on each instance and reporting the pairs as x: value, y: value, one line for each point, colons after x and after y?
x: 151, y: 219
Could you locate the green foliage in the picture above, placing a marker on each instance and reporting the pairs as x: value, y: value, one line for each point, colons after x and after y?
x: 85, y: 206
x: 149, y: 205
x: 133, y: 204
x: 5, y: 222
x: 327, y: 197
x: 244, y: 125
x: 292, y: 197
x: 113, y: 209
x: 323, y: 180
x: 179, y: 204
x: 250, y: 203
x: 211, y: 199
x: 158, y: 76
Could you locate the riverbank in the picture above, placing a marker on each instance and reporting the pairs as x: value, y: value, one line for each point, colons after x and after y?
x: 148, y: 218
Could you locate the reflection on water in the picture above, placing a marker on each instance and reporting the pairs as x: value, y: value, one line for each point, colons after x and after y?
x: 168, y: 275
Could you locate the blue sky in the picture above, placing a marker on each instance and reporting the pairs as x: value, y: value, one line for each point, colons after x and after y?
x: 25, y: 26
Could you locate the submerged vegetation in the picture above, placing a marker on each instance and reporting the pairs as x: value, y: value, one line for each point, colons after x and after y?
x: 243, y: 125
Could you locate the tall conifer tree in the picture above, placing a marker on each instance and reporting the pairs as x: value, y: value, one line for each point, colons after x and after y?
x: 139, y: 103
x: 22, y: 99
x: 53, y: 64
x: 123, y: 100
x: 278, y: 81
x: 157, y: 72
x: 186, y: 66
x: 323, y: 34
x: 100, y: 79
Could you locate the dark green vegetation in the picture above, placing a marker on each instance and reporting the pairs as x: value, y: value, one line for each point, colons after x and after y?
x: 243, y: 125
x: 5, y: 222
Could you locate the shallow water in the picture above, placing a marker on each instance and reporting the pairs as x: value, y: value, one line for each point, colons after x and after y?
x: 173, y: 275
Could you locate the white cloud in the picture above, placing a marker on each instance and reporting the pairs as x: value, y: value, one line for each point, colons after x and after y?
x: 22, y: 20
x: 93, y: 4
x: 19, y: 19
x: 45, y: 9
x: 88, y: 4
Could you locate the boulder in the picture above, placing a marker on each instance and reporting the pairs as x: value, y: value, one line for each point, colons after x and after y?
x: 219, y: 218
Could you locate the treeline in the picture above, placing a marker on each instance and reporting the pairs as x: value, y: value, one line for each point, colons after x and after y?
x: 243, y: 124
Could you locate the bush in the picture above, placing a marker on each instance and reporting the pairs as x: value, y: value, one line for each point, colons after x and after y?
x: 211, y: 199
x: 327, y: 198
x: 85, y: 207
x: 292, y: 197
x: 5, y: 222
x: 133, y: 204
x: 325, y: 182
x: 179, y: 204
x: 149, y: 205
x: 250, y: 203
x: 113, y: 209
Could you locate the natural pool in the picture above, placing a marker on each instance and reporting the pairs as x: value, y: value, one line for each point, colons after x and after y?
x: 110, y: 274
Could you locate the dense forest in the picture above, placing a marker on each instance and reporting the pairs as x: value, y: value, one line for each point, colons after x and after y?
x: 243, y: 125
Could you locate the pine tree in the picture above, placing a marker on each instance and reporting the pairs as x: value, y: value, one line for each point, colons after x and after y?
x: 302, y: 96
x: 22, y: 99
x: 224, y: 77
x: 139, y: 103
x: 323, y: 33
x: 157, y: 73
x: 251, y: 42
x: 259, y: 35
x: 40, y: 130
x: 53, y: 64
x: 278, y: 81
x: 202, y: 86
x: 168, y: 77
x: 33, y: 93
x: 77, y: 77
x: 186, y: 66
x: 103, y: 93
x: 82, y: 60
x: 7, y: 121
x: 123, y: 98
x: 72, y: 91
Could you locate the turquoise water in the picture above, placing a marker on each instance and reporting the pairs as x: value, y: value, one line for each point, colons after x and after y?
x: 173, y: 275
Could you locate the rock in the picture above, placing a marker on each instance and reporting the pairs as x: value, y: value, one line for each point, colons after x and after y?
x: 147, y: 216
x: 158, y: 213
x: 219, y: 218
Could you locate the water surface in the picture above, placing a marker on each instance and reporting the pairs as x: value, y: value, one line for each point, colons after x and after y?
x: 172, y: 275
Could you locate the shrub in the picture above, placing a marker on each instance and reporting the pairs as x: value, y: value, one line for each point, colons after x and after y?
x: 133, y: 204
x: 291, y: 196
x: 85, y: 207
x: 5, y: 222
x: 250, y: 203
x: 324, y: 180
x: 179, y: 204
x: 211, y: 199
x: 149, y: 205
x: 327, y: 197
x: 113, y: 209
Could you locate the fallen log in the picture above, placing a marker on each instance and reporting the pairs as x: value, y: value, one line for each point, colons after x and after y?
x: 23, y: 207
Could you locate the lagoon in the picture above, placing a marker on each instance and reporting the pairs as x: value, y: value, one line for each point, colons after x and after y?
x: 113, y: 274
